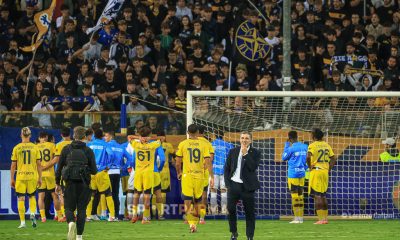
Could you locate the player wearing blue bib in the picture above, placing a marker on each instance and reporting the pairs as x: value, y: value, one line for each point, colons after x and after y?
x: 126, y: 164
x: 221, y: 150
x: 295, y: 154
x: 157, y: 201
x: 101, y: 181
x: 118, y: 152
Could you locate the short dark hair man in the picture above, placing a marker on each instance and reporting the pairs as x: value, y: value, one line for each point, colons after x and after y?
x: 241, y: 181
x: 76, y: 164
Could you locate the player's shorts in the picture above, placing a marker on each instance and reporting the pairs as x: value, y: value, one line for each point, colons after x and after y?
x: 124, y: 184
x: 206, y: 180
x: 318, y: 183
x: 165, y: 181
x: 157, y: 181
x: 144, y: 180
x: 101, y: 182
x: 219, y: 182
x: 295, y: 184
x: 192, y: 187
x: 23, y: 187
x: 48, y: 184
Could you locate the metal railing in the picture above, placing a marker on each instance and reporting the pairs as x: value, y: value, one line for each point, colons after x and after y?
x: 169, y: 122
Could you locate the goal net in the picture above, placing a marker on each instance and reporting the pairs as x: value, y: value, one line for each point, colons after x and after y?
x: 355, y: 124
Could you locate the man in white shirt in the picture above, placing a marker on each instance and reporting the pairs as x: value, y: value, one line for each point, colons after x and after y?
x: 182, y: 10
x: 43, y: 118
x: 65, y: 14
x: 240, y: 173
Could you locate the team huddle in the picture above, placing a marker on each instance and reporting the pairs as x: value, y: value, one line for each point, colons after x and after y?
x: 142, y: 165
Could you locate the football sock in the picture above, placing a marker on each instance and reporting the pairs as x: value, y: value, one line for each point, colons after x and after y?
x: 103, y: 204
x: 89, y: 207
x: 146, y: 213
x: 160, y: 208
x: 134, y: 210
x: 21, y: 210
x: 301, y: 207
x: 224, y: 200
x: 42, y: 213
x: 58, y: 212
x: 295, y: 204
x: 154, y: 205
x: 325, y: 214
x: 202, y: 212
x: 192, y: 219
x: 129, y: 203
x: 213, y: 202
x: 32, y: 204
x: 62, y: 212
x: 320, y: 214
x: 111, y: 207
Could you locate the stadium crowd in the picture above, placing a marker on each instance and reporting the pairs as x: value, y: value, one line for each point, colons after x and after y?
x: 157, y: 50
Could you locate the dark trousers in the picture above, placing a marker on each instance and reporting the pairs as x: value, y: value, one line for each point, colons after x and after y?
x: 76, y: 196
x: 236, y: 192
x: 115, y: 180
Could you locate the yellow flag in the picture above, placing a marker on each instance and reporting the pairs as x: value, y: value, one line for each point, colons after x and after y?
x: 42, y: 21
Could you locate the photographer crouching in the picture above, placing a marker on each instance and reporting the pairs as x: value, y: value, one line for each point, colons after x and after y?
x: 76, y: 164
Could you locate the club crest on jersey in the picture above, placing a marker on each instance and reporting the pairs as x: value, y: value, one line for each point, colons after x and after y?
x: 250, y: 43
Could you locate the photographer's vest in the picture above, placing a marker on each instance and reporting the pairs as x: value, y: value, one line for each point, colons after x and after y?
x: 76, y: 168
x: 386, y: 157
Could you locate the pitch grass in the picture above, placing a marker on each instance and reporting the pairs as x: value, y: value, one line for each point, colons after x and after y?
x: 213, y: 230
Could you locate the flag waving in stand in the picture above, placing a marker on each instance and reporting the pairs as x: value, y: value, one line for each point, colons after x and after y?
x: 42, y: 21
x: 110, y: 11
x: 249, y: 42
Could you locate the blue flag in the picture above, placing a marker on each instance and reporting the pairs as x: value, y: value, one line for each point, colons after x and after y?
x: 249, y: 42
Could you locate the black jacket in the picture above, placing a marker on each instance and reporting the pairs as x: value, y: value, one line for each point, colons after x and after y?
x: 250, y: 164
x: 71, y: 152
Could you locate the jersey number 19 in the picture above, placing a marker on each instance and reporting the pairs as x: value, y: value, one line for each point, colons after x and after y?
x: 194, y: 155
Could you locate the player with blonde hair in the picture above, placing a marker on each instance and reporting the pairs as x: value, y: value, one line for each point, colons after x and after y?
x: 26, y: 165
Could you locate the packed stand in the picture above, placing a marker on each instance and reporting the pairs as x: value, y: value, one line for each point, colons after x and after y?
x: 157, y: 50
